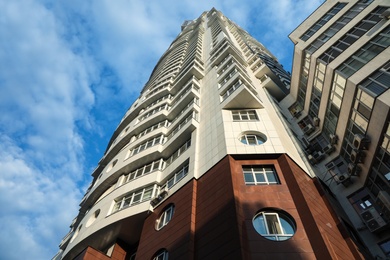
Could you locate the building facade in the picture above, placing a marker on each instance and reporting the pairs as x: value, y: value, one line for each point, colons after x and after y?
x: 339, y: 109
x: 222, y: 157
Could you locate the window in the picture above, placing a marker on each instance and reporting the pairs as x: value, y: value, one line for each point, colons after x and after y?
x: 385, y: 246
x: 233, y: 87
x: 133, y: 198
x: 253, y: 139
x: 149, y: 143
x: 340, y: 23
x: 274, y: 225
x: 176, y: 177
x: 244, y: 115
x: 146, y: 169
x: 161, y: 255
x: 165, y: 217
x: 323, y: 20
x: 352, y: 35
x: 258, y: 175
x: 365, y: 54
x: 112, y: 165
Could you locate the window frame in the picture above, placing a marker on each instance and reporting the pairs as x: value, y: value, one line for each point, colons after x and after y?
x: 238, y: 115
x: 262, y: 220
x: 252, y: 139
x: 161, y: 254
x: 256, y: 174
x: 165, y: 217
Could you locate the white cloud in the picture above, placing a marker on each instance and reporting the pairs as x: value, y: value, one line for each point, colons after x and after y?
x: 274, y: 21
x: 45, y: 93
x: 69, y: 71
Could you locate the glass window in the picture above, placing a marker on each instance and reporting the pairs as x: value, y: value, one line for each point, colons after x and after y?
x: 274, y: 225
x: 244, y: 115
x: 165, y: 217
x: 253, y: 139
x: 161, y: 255
x: 133, y: 198
x: 259, y: 175
x: 323, y: 20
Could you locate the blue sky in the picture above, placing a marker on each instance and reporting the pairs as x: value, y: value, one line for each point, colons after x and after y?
x: 68, y: 72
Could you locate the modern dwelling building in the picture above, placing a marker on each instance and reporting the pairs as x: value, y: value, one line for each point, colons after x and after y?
x: 225, y: 155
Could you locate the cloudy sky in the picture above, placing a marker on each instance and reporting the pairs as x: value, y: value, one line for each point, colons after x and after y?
x: 68, y: 72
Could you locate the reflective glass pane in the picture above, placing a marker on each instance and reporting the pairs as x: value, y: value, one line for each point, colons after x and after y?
x: 249, y: 178
x: 273, y: 224
x: 260, y: 177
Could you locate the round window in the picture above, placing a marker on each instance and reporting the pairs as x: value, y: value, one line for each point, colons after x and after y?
x: 112, y: 165
x: 92, y: 218
x: 76, y: 233
x: 274, y: 225
x: 254, y: 138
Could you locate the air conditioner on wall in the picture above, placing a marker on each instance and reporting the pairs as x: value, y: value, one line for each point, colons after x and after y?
x: 328, y: 149
x: 357, y: 156
x: 360, y: 141
x: 372, y: 219
x: 316, y: 121
x: 354, y: 169
x: 159, y: 197
x: 340, y: 178
x: 308, y: 129
x: 333, y: 139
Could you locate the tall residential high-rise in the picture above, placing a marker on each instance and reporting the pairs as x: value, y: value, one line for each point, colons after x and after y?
x: 219, y: 158
x: 338, y: 108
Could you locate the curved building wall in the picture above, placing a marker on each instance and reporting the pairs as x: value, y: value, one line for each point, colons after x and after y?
x: 201, y: 155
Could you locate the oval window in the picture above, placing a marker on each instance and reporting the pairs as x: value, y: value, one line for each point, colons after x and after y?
x: 253, y: 138
x: 274, y: 225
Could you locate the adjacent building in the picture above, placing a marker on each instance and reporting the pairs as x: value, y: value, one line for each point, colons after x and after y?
x: 338, y: 107
x: 223, y: 157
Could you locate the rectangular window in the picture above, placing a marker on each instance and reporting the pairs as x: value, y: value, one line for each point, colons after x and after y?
x: 133, y: 198
x: 260, y: 175
x: 322, y: 21
x: 352, y: 35
x: 176, y: 177
x: 369, y: 51
x: 385, y: 246
x: 244, y: 115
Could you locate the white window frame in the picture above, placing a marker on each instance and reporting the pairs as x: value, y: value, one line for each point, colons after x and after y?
x: 263, y: 171
x: 244, y: 115
x: 161, y: 255
x: 165, y: 217
x: 252, y: 139
x: 280, y: 235
x: 130, y: 199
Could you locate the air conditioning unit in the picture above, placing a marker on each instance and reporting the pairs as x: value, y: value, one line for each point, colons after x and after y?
x: 308, y: 129
x: 341, y: 178
x: 328, y: 149
x: 353, y: 169
x: 360, y: 142
x: 316, y: 121
x: 160, y: 196
x: 312, y: 159
x: 333, y: 139
x: 372, y: 219
x: 357, y: 156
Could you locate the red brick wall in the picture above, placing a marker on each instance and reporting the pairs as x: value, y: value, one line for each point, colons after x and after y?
x: 91, y: 254
x: 213, y: 217
x: 309, y: 197
x: 251, y: 199
x: 177, y: 235
x: 217, y: 233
